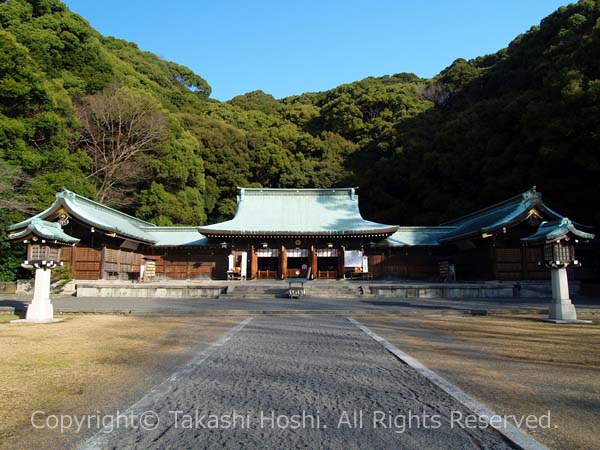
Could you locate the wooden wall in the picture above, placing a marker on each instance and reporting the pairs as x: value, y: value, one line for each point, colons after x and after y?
x: 481, y: 263
x: 415, y: 266
x: 519, y: 264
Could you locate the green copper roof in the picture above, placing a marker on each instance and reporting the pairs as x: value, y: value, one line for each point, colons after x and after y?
x: 176, y: 236
x: 49, y: 231
x: 417, y: 236
x: 556, y: 230
x: 110, y: 220
x: 505, y: 214
x: 96, y: 215
x: 298, y: 212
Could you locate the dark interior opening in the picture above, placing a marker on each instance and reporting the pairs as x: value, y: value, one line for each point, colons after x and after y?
x: 268, y: 263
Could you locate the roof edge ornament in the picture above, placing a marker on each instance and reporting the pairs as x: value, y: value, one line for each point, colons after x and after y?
x: 66, y: 194
x: 532, y: 194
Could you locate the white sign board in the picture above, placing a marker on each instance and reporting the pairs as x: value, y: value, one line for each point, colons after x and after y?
x: 353, y: 258
x: 365, y: 264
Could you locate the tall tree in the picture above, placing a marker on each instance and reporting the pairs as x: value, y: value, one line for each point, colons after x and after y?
x: 117, y: 126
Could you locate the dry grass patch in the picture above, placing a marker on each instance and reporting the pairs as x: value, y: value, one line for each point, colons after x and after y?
x: 86, y: 364
x: 515, y: 364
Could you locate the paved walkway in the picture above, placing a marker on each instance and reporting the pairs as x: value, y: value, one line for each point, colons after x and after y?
x: 287, y: 366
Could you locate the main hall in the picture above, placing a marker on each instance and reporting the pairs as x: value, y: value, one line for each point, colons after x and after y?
x: 303, y: 233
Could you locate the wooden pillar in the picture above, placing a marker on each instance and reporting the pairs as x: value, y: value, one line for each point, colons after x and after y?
x: 72, y: 261
x: 253, y: 262
x: 187, y: 266
x: 283, y: 263
x: 102, y: 262
x: 341, y: 263
x: 524, y: 268
x: 313, y: 262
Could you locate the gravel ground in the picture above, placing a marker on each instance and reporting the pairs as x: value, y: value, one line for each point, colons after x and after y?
x: 284, y: 366
x: 174, y: 306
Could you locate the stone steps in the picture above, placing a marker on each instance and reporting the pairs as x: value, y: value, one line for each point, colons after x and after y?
x: 311, y: 290
x: 254, y: 292
x: 341, y: 291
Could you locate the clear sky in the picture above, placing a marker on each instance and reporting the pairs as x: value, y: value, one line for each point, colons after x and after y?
x: 288, y: 47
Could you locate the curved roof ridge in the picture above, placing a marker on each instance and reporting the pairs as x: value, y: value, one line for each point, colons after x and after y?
x: 65, y: 194
x: 530, y: 194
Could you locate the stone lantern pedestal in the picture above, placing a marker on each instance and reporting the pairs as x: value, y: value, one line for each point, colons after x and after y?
x: 40, y: 309
x: 558, y: 238
x: 561, y: 309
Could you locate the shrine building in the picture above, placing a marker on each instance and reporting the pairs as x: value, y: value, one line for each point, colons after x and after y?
x: 295, y: 233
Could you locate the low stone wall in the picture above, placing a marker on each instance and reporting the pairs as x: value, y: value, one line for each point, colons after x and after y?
x: 8, y: 287
x: 58, y: 288
x: 523, y: 289
x: 443, y: 291
x: 7, y: 310
x: 146, y: 290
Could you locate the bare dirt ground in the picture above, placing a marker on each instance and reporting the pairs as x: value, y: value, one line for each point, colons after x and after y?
x: 89, y: 364
x: 514, y: 364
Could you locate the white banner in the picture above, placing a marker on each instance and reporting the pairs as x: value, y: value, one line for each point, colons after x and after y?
x: 230, y: 263
x: 353, y: 258
x: 365, y: 265
x: 244, y: 264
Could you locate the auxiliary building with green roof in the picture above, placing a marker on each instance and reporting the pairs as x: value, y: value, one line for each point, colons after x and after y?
x: 299, y: 233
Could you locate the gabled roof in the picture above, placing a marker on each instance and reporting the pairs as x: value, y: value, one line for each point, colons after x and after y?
x: 110, y: 220
x: 505, y: 214
x: 298, y: 212
x: 417, y: 236
x: 94, y: 214
x: 49, y: 231
x: 556, y: 230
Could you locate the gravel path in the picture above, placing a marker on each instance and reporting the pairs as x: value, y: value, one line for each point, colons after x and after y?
x: 324, y: 367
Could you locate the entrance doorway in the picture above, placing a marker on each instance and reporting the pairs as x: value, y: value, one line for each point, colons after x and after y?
x: 327, y: 263
x: 268, y: 263
x: 297, y: 263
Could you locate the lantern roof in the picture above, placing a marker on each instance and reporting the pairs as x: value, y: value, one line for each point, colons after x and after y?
x: 557, y: 230
x: 46, y: 231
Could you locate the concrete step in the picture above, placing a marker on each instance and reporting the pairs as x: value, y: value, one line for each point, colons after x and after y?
x: 332, y: 291
x: 254, y: 292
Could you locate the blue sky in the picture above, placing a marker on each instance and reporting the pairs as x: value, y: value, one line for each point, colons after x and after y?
x: 288, y: 47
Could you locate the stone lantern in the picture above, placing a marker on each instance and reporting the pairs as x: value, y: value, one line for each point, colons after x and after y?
x: 44, y: 241
x: 558, y: 239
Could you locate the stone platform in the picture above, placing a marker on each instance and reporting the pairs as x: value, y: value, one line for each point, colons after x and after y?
x: 265, y: 289
x: 149, y: 290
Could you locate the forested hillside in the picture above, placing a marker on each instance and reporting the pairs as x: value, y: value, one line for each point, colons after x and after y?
x: 99, y: 116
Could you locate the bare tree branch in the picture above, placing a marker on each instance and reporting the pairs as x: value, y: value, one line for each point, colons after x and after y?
x: 10, y: 179
x: 118, y: 125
